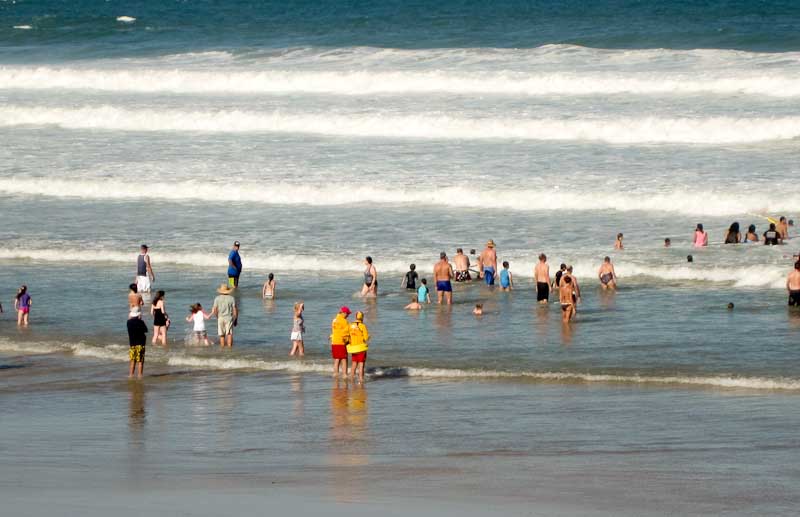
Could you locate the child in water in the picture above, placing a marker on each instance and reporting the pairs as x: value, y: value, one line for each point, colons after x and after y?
x: 268, y: 291
x: 506, y: 280
x: 414, y: 305
x: 357, y: 348
x: 198, y: 316
x: 618, y: 243
x: 423, y: 295
x: 298, y: 330
x: 478, y: 310
x: 22, y: 303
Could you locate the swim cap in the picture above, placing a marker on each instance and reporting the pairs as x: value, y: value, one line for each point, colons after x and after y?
x: 345, y: 310
x: 360, y: 316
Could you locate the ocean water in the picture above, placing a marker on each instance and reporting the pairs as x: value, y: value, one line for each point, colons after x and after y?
x: 317, y: 133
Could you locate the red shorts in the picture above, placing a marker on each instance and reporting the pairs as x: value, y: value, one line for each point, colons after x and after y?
x: 360, y: 357
x: 339, y: 351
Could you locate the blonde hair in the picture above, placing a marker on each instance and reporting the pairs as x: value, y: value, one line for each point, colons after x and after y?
x: 297, y: 306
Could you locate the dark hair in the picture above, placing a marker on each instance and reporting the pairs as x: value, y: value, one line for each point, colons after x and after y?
x: 689, y: 258
x: 459, y: 250
x: 772, y: 226
x: 479, y: 306
x: 195, y: 308
x: 271, y: 276
x: 144, y: 247
x: 22, y: 290
x: 569, y: 269
x: 730, y: 305
x: 563, y: 266
x: 751, y: 228
x: 607, y: 259
x: 797, y: 265
x: 667, y: 240
x: 782, y: 218
x: 159, y: 297
x: 412, y: 267
x: 567, y: 279
x: 472, y: 251
x: 734, y: 228
x: 619, y: 236
x: 442, y: 255
x: 134, y: 288
x: 505, y: 263
x: 699, y: 227
x: 424, y: 281
x: 369, y: 259
x: 542, y: 256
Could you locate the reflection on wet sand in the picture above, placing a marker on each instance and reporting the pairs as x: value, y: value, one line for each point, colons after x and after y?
x: 137, y: 418
x: 349, y: 440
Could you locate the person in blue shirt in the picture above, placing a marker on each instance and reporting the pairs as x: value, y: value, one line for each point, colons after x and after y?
x: 234, y: 266
x: 423, y: 296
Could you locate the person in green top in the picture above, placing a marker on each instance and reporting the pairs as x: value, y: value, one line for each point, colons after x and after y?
x: 227, y: 313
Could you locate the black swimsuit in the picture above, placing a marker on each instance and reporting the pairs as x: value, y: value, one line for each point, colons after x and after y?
x: 159, y: 318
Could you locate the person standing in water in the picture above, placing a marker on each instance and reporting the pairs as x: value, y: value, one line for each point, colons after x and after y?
x: 22, y: 304
x: 772, y: 237
x: 298, y: 330
x: 227, y: 312
x: 793, y: 285
x: 137, y: 340
x: 234, y: 266
x: 700, y: 237
x: 134, y: 298
x: 506, y: 278
x: 541, y: 275
x: 358, y: 346
x: 607, y: 275
x: 488, y: 261
x: 197, y: 317
x: 576, y: 289
x: 565, y: 298
x: 734, y: 236
x: 144, y: 270
x: 751, y: 236
x: 340, y: 338
x: 557, y: 277
x: 268, y: 291
x: 370, y: 287
x: 462, y: 264
x: 410, y: 278
x: 442, y: 276
x: 618, y: 243
x: 783, y: 228
x: 160, y: 319
x: 423, y: 295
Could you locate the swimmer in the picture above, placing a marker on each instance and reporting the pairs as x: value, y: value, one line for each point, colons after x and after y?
x: 160, y: 319
x: 410, y: 278
x: 268, y: 291
x: 22, y: 304
x: 700, y: 237
x: 541, y: 275
x: 134, y: 298
x: 751, y: 236
x: 565, y: 297
x: 358, y: 346
x: 607, y: 275
x: 667, y: 242
x: 298, y: 330
x: 370, y: 287
x: 488, y: 262
x: 423, y: 295
x: 340, y: 338
x: 730, y: 306
x: 772, y: 237
x: 733, y: 236
x: 618, y: 243
x: 137, y: 339
x: 462, y: 264
x: 478, y: 310
x: 442, y: 275
x: 414, y: 304
x: 783, y: 228
x: 557, y: 280
x: 793, y: 285
x: 576, y: 289
x: 689, y: 258
x: 506, y: 279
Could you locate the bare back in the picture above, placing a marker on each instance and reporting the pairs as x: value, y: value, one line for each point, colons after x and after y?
x: 462, y: 262
x: 442, y: 271
x: 793, y: 282
x: 489, y: 258
x: 542, y: 272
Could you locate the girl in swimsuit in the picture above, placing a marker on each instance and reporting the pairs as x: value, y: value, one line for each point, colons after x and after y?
x: 160, y: 319
x: 370, y: 287
x: 751, y: 235
x: 700, y: 237
x: 268, y: 292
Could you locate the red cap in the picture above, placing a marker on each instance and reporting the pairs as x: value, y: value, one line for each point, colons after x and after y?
x: 345, y: 310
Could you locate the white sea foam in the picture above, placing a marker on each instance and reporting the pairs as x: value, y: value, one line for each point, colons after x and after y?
x: 714, y: 130
x: 275, y: 193
x: 118, y: 353
x: 370, y: 82
x: 23, y: 27
x: 126, y: 19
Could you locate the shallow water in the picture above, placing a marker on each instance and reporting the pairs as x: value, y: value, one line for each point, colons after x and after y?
x: 319, y: 134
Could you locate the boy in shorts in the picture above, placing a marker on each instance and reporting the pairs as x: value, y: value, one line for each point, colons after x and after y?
x: 137, y: 338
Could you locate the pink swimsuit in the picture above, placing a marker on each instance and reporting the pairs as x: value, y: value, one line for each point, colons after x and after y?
x: 700, y: 239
